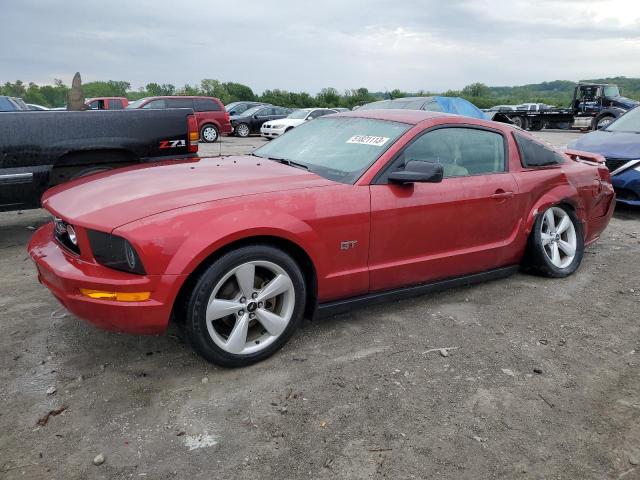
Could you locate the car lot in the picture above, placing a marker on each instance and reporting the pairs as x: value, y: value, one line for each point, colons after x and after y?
x: 360, y: 395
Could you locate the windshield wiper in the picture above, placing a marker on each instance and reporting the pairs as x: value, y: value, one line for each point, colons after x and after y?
x: 291, y: 163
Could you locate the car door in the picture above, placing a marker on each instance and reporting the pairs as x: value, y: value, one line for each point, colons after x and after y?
x: 464, y: 224
x: 261, y: 116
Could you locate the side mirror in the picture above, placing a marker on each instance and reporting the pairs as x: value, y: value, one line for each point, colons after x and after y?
x: 418, y: 172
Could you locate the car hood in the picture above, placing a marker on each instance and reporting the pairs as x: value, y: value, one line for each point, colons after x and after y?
x: 289, y: 122
x: 609, y: 144
x: 111, y: 199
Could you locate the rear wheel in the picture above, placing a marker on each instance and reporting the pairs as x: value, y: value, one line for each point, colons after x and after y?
x: 557, y: 244
x: 520, y: 122
x: 209, y: 133
x: 242, y: 130
x: 245, y: 306
x: 602, y: 122
x: 536, y: 126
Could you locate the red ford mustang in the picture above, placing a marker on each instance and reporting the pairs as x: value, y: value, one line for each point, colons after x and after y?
x: 349, y: 208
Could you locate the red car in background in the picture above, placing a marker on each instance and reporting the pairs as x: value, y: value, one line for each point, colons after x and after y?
x: 349, y: 209
x: 107, y: 103
x: 211, y: 115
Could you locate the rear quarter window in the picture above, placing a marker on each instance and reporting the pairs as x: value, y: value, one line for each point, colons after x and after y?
x: 207, y: 105
x: 535, y: 154
x: 179, y: 103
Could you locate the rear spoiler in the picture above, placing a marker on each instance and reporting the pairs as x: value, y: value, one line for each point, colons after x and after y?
x: 579, y: 155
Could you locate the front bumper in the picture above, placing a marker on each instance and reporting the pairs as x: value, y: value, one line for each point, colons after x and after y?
x: 271, y: 132
x: 64, y: 275
x: 627, y: 186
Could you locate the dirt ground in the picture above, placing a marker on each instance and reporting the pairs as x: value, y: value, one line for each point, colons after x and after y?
x: 353, y: 396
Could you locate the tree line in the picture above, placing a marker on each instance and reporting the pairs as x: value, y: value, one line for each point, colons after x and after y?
x: 556, y: 93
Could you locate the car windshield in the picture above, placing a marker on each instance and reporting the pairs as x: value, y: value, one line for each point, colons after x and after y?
x: 299, y: 114
x: 136, y: 104
x: 251, y: 111
x: 337, y: 148
x: 629, y: 122
x: 611, y: 91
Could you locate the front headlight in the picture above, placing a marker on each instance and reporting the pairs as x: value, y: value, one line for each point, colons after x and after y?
x: 115, y: 252
x: 277, y: 126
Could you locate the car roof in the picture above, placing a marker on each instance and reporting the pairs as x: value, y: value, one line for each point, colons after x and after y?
x: 412, y: 117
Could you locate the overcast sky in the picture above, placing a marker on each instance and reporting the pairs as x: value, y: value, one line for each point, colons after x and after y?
x: 302, y: 45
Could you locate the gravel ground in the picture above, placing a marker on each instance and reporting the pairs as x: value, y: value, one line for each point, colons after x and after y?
x: 361, y: 395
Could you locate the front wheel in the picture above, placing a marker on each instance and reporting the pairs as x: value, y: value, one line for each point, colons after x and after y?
x: 209, y: 133
x: 245, y: 306
x: 242, y: 130
x: 603, y: 122
x: 557, y: 243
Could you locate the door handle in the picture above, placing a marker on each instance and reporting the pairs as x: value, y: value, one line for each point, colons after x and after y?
x: 502, y: 195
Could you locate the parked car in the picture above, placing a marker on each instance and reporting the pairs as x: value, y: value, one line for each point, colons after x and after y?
x: 619, y: 143
x: 455, y: 105
x: 252, y: 119
x: 107, y: 103
x: 42, y: 149
x: 12, y: 104
x: 237, y: 108
x: 212, y: 118
x: 346, y: 210
x: 34, y: 106
x: 275, y: 128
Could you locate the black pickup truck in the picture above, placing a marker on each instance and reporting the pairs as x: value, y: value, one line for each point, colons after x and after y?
x: 41, y: 149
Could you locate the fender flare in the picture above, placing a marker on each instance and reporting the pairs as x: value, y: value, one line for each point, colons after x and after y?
x: 561, y: 194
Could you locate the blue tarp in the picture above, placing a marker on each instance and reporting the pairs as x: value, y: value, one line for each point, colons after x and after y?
x: 459, y: 106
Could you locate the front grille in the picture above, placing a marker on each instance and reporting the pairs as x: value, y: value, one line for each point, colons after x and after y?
x: 62, y: 235
x: 615, y: 163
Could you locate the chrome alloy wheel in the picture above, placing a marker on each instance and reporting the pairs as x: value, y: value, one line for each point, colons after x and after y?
x: 210, y: 134
x: 242, y: 130
x: 250, y: 307
x: 558, y: 236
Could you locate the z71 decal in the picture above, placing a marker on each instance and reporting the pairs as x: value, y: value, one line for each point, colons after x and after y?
x: 173, y: 143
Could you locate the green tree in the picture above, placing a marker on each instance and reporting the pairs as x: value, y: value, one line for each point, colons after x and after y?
x: 476, y: 90
x: 239, y: 92
x: 328, y: 97
x: 157, y: 90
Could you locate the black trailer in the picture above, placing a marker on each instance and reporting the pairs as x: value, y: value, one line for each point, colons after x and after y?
x: 594, y: 106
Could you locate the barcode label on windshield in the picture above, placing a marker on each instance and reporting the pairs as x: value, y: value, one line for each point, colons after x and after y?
x: 368, y: 140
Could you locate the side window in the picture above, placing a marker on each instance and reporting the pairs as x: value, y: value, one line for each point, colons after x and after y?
x: 206, y: 105
x: 534, y: 154
x: 432, y: 106
x: 94, y: 105
x: 115, y: 104
x: 179, y: 102
x: 160, y: 103
x: 461, y: 151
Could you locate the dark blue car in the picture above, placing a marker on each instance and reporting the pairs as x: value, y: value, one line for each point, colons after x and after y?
x: 619, y: 143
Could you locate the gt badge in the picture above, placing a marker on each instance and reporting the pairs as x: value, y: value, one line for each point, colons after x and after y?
x: 349, y: 244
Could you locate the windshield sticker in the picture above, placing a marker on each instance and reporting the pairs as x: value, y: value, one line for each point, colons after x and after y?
x: 368, y: 140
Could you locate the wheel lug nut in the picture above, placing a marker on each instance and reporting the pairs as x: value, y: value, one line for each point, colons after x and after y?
x: 259, y: 304
x: 240, y: 313
x: 252, y: 315
x: 254, y: 295
x: 243, y: 300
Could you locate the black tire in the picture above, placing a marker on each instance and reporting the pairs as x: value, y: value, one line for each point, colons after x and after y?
x: 538, y: 261
x: 603, y: 121
x: 536, y: 126
x: 195, y: 322
x: 209, y: 133
x: 519, y: 121
x: 241, y: 131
